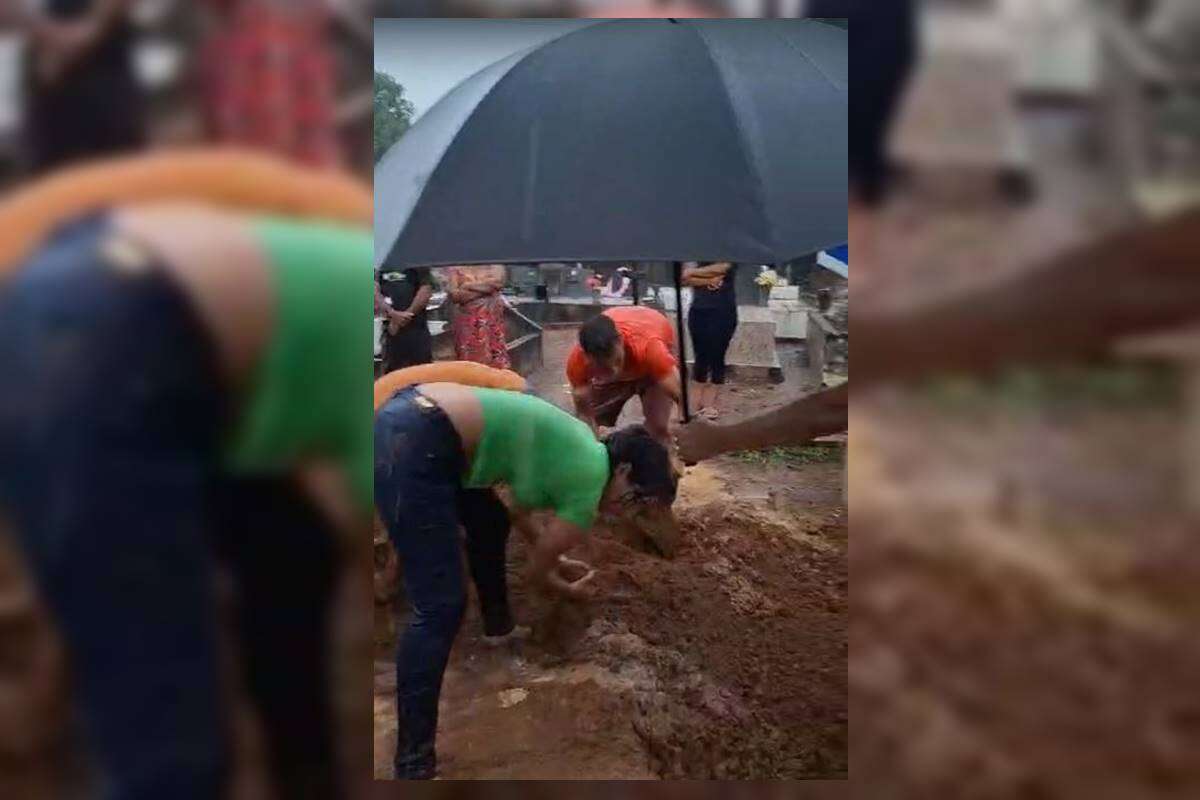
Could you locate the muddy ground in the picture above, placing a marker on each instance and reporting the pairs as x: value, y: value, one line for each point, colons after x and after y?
x: 727, y: 660
x: 1025, y: 602
x: 1026, y: 581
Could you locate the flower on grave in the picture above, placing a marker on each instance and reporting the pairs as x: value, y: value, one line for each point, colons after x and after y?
x: 767, y: 278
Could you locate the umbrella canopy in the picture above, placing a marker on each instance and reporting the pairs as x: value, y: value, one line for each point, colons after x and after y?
x: 650, y: 11
x: 630, y: 140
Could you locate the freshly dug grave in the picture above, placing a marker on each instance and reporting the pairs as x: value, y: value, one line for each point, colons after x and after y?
x: 726, y: 661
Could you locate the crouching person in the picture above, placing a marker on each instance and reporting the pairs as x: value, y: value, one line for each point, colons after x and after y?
x: 437, y: 440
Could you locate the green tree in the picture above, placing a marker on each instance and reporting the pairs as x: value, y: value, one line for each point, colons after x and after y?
x: 393, y: 113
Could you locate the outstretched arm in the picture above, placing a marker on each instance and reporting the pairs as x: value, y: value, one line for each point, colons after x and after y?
x: 796, y: 423
x: 1070, y: 307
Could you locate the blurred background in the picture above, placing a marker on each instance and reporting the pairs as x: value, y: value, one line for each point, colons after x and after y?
x: 293, y: 78
x: 84, y: 80
x: 1024, y: 563
x: 1026, y: 581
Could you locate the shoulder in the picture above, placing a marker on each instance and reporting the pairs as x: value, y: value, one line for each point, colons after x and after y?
x: 580, y: 494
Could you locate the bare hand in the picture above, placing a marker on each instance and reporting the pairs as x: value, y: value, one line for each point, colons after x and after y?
x: 698, y: 440
x: 580, y: 589
x: 570, y: 569
x: 398, y: 320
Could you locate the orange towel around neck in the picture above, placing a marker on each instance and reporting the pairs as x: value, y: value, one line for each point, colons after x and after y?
x: 467, y: 373
x: 228, y: 177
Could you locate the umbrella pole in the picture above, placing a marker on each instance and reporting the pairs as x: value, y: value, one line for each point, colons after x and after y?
x: 677, y: 271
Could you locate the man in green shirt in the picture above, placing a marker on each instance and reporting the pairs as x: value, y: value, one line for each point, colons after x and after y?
x: 437, y: 440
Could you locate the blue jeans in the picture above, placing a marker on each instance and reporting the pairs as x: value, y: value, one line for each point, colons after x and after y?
x: 419, y: 464
x: 111, y: 416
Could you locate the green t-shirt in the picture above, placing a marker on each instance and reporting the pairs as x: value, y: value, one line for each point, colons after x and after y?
x: 311, y: 394
x: 549, y: 459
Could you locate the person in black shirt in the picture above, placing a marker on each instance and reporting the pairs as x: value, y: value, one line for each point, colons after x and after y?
x: 400, y: 298
x: 712, y: 320
x: 83, y: 96
x: 885, y: 49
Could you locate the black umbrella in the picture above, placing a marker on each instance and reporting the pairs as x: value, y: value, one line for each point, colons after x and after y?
x: 630, y: 140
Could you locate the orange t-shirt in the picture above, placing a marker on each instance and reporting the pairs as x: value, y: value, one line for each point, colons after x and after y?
x: 468, y: 373
x: 649, y: 347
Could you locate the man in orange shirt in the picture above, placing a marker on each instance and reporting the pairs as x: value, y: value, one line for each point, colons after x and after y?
x: 622, y: 352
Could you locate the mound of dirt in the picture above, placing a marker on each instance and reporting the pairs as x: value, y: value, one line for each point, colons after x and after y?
x: 726, y: 661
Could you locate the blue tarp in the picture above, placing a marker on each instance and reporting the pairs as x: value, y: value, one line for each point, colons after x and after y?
x: 836, y: 260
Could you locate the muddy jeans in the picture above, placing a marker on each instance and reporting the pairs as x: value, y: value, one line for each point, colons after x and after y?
x: 110, y: 428
x: 419, y: 496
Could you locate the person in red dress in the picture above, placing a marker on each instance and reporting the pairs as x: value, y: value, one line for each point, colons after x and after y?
x: 268, y: 78
x: 478, y: 325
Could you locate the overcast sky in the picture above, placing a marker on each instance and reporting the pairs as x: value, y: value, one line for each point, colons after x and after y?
x: 429, y: 57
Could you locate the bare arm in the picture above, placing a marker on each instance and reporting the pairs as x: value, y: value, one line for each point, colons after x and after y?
x: 548, y: 552
x: 65, y: 42
x: 421, y: 299
x: 708, y: 272
x: 1072, y: 306
x: 702, y: 283
x: 485, y: 280
x: 473, y: 290
x: 523, y: 521
x: 671, y: 386
x: 460, y: 290
x: 582, y: 396
x: 796, y: 423
x: 326, y: 486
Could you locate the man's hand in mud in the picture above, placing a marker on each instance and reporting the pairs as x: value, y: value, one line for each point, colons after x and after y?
x: 573, y: 579
x: 579, y: 589
x: 698, y: 440
x: 571, y: 569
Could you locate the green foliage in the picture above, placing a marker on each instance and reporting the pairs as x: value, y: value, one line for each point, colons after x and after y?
x: 393, y: 113
x: 1026, y: 389
x: 791, y: 456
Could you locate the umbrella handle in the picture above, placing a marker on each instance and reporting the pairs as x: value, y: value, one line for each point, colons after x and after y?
x: 677, y: 272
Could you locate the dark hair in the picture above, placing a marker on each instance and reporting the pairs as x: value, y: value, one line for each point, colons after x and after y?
x: 650, y: 465
x: 599, y: 336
